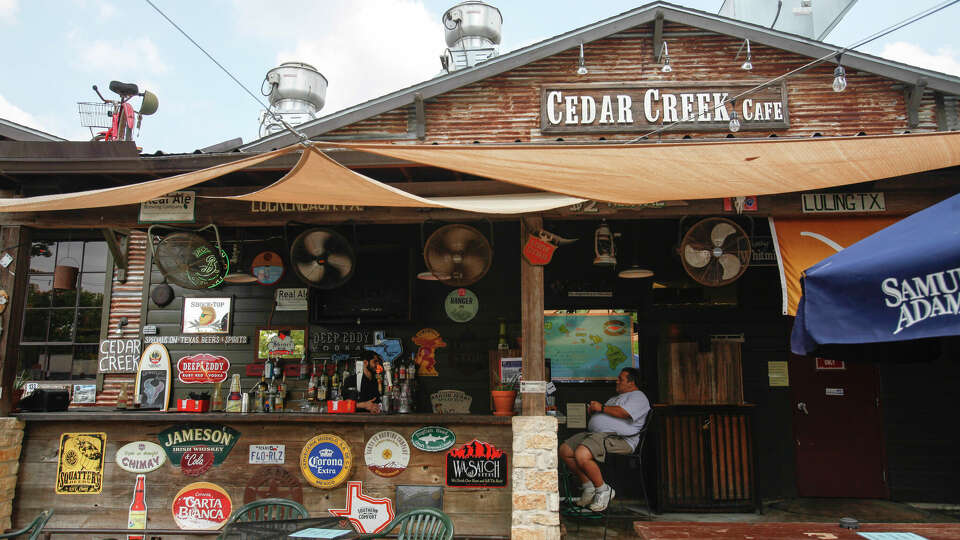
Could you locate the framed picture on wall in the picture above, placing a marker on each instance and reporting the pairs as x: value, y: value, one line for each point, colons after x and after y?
x: 281, y: 342
x: 207, y: 315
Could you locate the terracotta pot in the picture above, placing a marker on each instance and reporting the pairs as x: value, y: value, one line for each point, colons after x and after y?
x: 65, y: 277
x: 503, y: 402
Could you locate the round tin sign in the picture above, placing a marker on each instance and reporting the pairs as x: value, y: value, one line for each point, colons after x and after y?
x: 196, y: 461
x: 461, y: 305
x: 387, y: 453
x: 140, y: 457
x: 326, y: 461
x: 268, y: 267
x: 433, y: 439
x: 201, y: 505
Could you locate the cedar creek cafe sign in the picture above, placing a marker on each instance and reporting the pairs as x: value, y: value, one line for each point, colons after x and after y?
x: 619, y: 108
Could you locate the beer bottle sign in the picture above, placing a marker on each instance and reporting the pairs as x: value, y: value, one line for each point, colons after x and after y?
x: 137, y: 518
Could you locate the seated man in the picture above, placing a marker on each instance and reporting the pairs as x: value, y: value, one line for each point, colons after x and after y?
x: 614, y: 427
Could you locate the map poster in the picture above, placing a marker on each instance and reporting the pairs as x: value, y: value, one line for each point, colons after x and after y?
x: 591, y: 347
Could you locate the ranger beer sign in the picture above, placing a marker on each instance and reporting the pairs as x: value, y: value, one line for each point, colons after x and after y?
x: 694, y: 106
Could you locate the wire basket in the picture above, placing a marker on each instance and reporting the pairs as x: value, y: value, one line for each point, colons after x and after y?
x: 95, y: 115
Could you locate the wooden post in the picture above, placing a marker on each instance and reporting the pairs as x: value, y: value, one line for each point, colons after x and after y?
x: 13, y: 279
x: 531, y: 297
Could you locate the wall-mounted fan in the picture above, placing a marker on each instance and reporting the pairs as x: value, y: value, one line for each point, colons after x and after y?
x: 188, y: 260
x: 322, y: 258
x: 715, y: 252
x: 458, y: 255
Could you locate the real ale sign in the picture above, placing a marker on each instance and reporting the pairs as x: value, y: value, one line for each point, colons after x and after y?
x: 476, y: 464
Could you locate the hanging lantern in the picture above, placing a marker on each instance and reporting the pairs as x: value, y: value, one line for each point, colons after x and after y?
x: 65, y: 275
x: 603, y: 246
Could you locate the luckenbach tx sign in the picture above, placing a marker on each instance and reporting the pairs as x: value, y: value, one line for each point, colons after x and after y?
x: 697, y: 106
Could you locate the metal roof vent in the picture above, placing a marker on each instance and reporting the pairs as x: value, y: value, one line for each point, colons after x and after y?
x: 297, y: 91
x: 472, y: 31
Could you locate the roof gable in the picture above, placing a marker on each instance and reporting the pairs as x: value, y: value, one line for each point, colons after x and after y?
x: 599, y: 30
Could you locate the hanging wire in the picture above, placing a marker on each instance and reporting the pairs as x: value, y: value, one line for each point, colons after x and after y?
x: 303, y: 138
x: 873, y: 37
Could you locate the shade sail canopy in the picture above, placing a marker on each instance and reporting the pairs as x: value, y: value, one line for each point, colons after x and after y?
x: 644, y: 173
x: 132, y: 194
x: 900, y: 283
x: 317, y: 179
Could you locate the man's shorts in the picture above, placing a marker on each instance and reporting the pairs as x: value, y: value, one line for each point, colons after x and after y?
x: 599, y: 444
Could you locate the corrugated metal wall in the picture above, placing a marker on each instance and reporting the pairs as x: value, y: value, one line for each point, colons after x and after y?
x: 506, y: 108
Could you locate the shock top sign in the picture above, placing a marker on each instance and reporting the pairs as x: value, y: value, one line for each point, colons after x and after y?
x: 476, y: 464
x: 326, y: 461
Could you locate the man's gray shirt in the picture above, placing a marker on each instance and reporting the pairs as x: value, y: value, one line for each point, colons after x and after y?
x: 635, y: 403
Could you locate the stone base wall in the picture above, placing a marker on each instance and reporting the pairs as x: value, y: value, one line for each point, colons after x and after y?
x: 11, y: 439
x: 536, y: 496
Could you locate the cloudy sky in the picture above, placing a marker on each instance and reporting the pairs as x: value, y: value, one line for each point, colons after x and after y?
x: 56, y: 49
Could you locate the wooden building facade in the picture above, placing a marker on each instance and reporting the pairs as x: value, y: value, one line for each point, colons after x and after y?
x: 715, y: 359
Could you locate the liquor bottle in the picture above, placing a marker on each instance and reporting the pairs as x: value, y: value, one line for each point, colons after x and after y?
x: 137, y: 518
x: 261, y: 395
x: 234, y: 400
x: 502, y: 344
x: 268, y: 368
x: 216, y: 400
x: 303, y: 368
x: 335, y: 384
x: 281, y: 396
x: 312, y: 384
x: 270, y: 396
x: 324, y: 383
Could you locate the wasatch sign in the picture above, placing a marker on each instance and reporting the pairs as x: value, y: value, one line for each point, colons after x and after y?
x: 477, y: 464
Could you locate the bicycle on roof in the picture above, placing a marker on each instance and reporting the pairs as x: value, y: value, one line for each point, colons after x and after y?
x: 117, y: 118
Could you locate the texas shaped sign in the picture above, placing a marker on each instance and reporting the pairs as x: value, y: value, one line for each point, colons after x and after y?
x: 368, y: 514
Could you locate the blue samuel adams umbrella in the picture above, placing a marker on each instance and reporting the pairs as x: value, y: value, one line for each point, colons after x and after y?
x: 900, y: 283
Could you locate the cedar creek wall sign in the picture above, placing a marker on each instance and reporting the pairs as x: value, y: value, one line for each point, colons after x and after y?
x: 622, y: 108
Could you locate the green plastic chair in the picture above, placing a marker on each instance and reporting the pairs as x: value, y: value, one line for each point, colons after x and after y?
x: 33, y: 528
x: 266, y: 510
x: 419, y: 524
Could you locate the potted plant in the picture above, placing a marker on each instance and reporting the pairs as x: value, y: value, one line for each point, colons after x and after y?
x: 18, y: 383
x: 504, y: 395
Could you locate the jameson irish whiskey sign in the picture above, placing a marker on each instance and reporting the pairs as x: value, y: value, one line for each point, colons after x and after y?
x: 476, y: 464
x: 182, y: 438
x: 696, y: 106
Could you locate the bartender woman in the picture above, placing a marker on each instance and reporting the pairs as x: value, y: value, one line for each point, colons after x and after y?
x: 368, y: 397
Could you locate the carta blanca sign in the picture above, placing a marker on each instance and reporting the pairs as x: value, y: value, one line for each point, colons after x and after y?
x: 118, y: 356
x: 694, y: 106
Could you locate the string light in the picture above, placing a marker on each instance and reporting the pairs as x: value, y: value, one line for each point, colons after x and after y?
x: 582, y: 69
x: 839, y: 77
x: 734, y: 124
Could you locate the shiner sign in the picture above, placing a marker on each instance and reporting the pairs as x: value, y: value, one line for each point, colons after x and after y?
x: 695, y: 106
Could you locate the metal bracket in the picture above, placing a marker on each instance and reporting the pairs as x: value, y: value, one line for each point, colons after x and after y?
x: 657, y: 36
x: 118, y: 248
x: 914, y: 94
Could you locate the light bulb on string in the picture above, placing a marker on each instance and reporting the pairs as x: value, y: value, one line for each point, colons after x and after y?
x: 839, y: 79
x: 734, y: 124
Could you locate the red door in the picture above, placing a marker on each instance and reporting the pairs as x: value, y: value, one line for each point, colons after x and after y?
x: 838, y: 429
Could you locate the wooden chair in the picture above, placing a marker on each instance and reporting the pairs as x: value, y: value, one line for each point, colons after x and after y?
x: 265, y: 510
x: 33, y: 528
x: 419, y: 524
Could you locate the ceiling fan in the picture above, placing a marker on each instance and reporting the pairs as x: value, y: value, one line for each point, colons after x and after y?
x: 186, y: 259
x: 715, y: 252
x: 458, y: 255
x: 322, y: 258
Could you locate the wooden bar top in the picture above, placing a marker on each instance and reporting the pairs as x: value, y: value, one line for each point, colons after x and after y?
x: 111, y: 415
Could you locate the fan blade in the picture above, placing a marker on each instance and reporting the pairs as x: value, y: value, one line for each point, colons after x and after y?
x: 341, y: 263
x: 731, y: 266
x: 720, y: 233
x: 315, y: 243
x: 697, y: 258
x: 311, y: 270
x: 474, y: 264
x: 458, y: 239
x: 439, y: 262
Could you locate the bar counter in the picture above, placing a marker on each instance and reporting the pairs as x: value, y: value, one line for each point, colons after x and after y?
x: 475, y: 511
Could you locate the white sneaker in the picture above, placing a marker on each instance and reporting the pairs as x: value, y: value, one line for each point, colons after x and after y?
x: 586, y: 496
x: 602, y: 499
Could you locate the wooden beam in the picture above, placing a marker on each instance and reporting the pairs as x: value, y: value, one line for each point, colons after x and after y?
x: 118, y: 248
x: 421, y: 116
x: 657, y: 36
x: 940, y: 111
x: 531, y: 309
x: 914, y: 95
x: 13, y: 279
